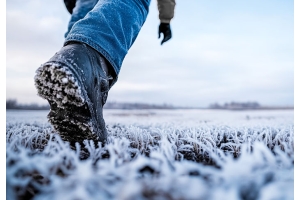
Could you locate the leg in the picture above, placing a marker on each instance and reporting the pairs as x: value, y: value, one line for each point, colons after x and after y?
x: 111, y: 28
x: 82, y: 7
x: 76, y: 80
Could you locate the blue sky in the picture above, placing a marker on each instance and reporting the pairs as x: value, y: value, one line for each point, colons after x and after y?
x: 221, y: 51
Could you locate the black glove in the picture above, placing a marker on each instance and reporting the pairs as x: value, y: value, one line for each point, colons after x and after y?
x: 70, y: 4
x: 165, y: 28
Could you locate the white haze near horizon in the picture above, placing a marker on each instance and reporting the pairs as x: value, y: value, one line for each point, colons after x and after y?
x: 220, y: 52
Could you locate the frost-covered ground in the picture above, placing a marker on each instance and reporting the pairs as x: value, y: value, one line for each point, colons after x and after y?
x: 155, y: 154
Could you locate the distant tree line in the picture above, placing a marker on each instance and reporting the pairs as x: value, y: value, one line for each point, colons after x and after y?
x: 13, y: 104
x: 245, y: 106
x: 128, y: 106
x: 236, y: 105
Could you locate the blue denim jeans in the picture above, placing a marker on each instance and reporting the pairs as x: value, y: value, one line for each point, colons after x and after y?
x: 109, y: 26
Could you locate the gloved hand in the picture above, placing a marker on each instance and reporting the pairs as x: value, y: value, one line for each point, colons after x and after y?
x: 70, y: 4
x: 164, y: 28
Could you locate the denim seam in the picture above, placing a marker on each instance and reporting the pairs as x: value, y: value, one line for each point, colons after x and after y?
x: 89, y: 42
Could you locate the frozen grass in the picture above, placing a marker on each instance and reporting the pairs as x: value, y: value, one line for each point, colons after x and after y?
x: 155, y: 154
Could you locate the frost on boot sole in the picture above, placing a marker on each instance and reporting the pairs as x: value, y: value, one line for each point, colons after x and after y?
x: 69, y: 112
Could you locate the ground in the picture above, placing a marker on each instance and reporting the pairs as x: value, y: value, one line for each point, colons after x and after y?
x: 155, y: 154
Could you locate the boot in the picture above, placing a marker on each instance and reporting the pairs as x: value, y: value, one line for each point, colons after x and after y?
x: 76, y: 81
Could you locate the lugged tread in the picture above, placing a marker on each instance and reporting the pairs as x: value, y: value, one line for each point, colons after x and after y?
x: 69, y: 112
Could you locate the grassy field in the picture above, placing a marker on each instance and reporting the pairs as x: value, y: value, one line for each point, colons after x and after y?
x: 155, y: 154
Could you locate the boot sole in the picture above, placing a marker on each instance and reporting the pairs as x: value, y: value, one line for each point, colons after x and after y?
x: 69, y: 113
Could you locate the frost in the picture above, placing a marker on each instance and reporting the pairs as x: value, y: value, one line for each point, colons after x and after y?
x: 53, y: 80
x: 169, y: 155
x: 64, y: 80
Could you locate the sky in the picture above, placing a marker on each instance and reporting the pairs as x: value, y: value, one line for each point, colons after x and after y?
x: 221, y: 51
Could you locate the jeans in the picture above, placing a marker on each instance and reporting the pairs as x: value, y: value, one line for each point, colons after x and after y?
x: 108, y: 26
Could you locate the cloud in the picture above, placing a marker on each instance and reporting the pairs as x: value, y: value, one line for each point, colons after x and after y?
x: 218, y: 53
x: 32, y: 38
